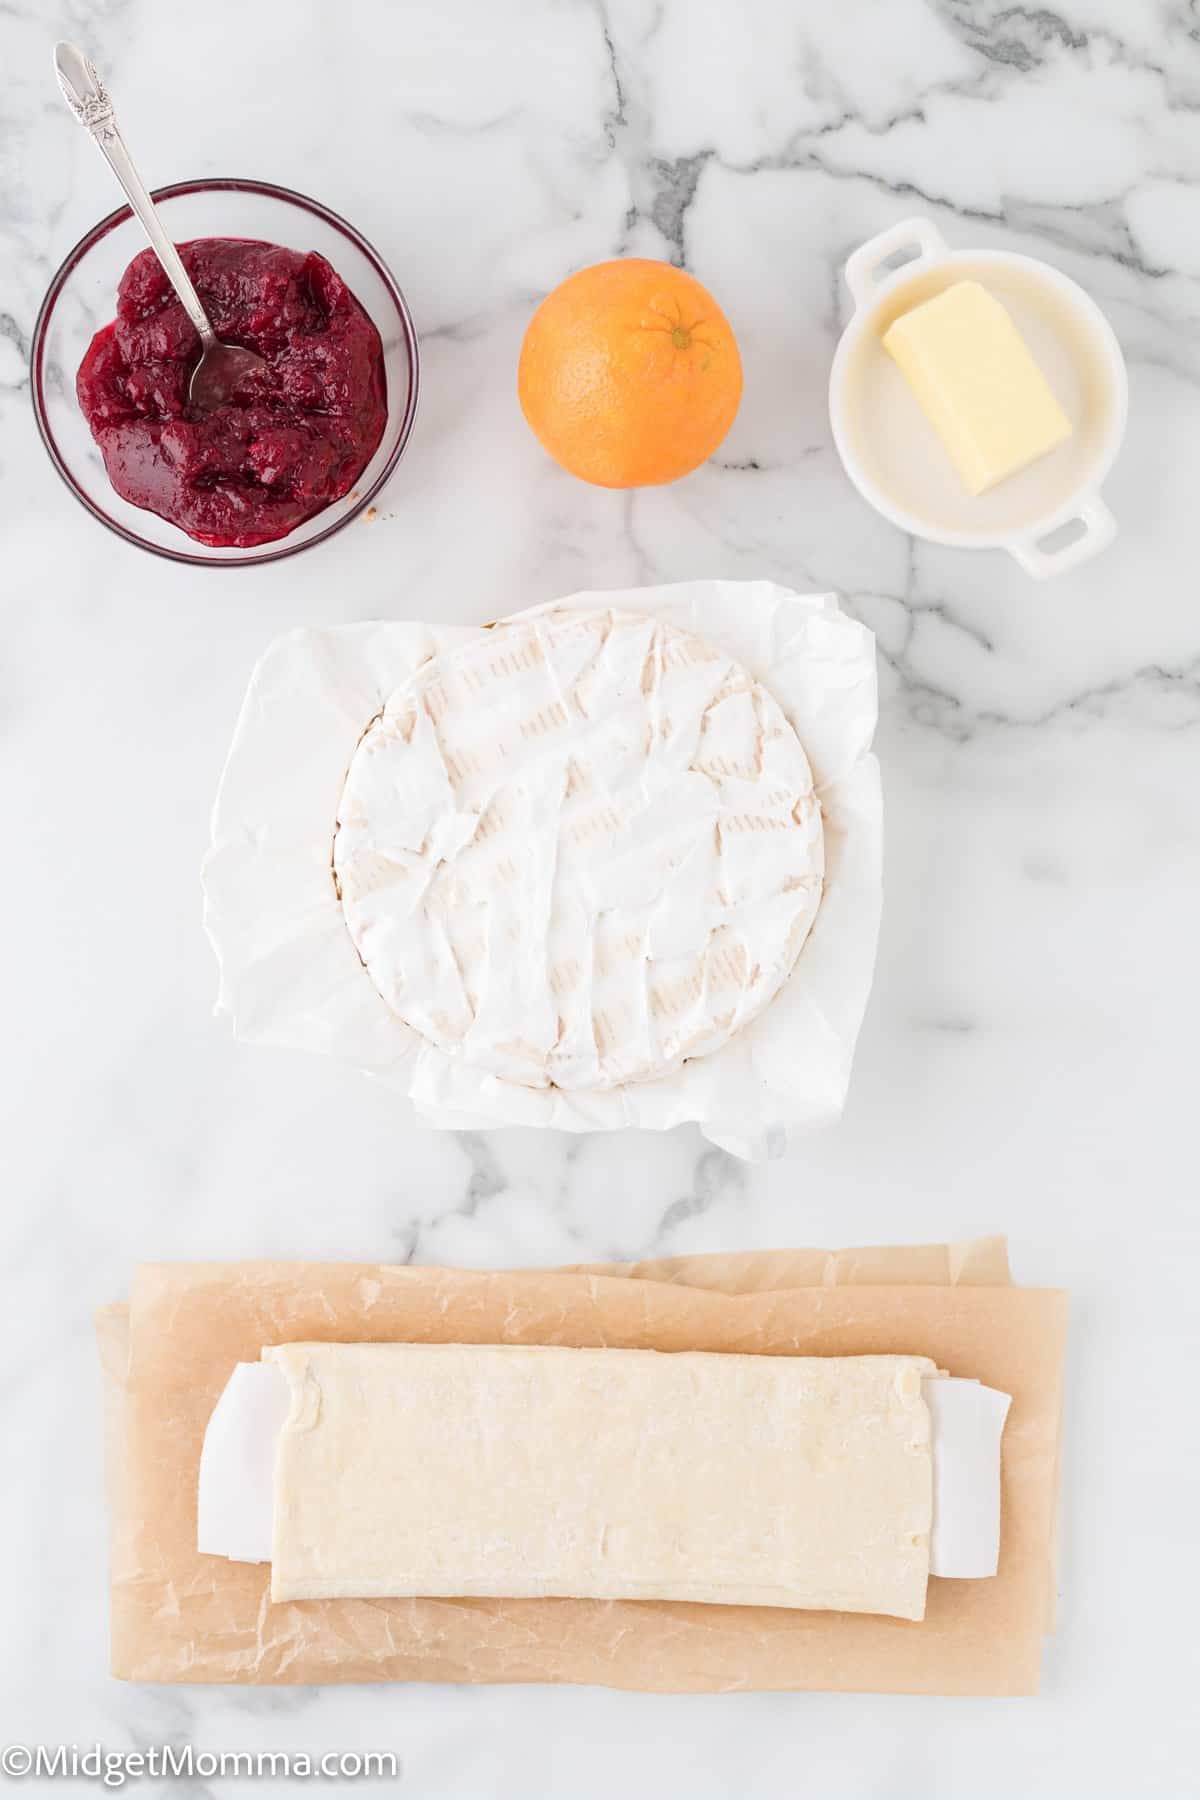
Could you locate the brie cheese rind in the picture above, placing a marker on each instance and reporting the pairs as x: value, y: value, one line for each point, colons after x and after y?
x: 463, y: 1470
x: 290, y: 972
x: 579, y: 850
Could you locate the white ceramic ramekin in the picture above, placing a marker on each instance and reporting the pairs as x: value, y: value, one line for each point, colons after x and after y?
x: 891, y: 452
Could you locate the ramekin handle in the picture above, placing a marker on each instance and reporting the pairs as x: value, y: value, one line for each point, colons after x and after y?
x: 1099, y: 530
x: 862, y: 268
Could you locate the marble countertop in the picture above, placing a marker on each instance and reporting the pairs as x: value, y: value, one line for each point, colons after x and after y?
x: 1027, y: 1062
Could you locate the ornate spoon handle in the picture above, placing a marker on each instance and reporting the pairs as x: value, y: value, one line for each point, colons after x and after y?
x: 88, y: 99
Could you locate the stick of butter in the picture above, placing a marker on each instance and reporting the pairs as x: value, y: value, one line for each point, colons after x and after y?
x: 977, y: 384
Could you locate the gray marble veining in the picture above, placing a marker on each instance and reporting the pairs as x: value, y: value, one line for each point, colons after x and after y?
x: 1028, y: 1061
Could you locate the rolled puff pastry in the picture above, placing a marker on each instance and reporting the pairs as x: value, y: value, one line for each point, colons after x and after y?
x: 504, y: 1471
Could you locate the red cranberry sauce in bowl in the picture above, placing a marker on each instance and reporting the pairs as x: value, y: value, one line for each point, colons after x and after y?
x: 291, y: 438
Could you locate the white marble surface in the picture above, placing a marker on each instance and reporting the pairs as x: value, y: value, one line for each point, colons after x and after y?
x: 1028, y: 1060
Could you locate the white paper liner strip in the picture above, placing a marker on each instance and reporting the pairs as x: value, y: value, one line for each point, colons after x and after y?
x: 237, y: 1470
x: 236, y: 1500
x: 966, y: 1423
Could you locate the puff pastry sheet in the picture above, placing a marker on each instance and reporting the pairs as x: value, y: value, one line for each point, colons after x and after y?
x: 463, y: 1470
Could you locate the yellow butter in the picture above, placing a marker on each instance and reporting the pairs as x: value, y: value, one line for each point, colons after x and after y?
x: 977, y: 384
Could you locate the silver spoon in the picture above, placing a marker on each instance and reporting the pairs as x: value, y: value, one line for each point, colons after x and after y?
x: 222, y: 366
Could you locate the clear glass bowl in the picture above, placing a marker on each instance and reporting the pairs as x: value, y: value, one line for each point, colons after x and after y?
x: 83, y: 296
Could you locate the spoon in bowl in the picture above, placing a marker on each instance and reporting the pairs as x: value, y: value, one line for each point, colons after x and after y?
x: 222, y: 367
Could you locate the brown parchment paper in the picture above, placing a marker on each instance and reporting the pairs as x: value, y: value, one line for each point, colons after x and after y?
x: 979, y: 1262
x: 180, y: 1616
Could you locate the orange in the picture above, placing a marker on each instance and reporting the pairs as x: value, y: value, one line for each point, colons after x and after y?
x: 629, y: 373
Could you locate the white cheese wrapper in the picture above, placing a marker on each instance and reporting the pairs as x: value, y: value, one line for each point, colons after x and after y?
x: 238, y: 1468
x: 290, y: 974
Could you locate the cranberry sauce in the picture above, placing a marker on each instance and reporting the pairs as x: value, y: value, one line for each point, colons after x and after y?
x: 292, y: 437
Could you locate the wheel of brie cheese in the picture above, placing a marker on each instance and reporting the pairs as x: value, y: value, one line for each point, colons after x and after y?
x: 579, y: 850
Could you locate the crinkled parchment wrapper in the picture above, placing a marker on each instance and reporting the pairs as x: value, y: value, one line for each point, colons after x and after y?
x: 290, y: 974
x: 180, y: 1616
